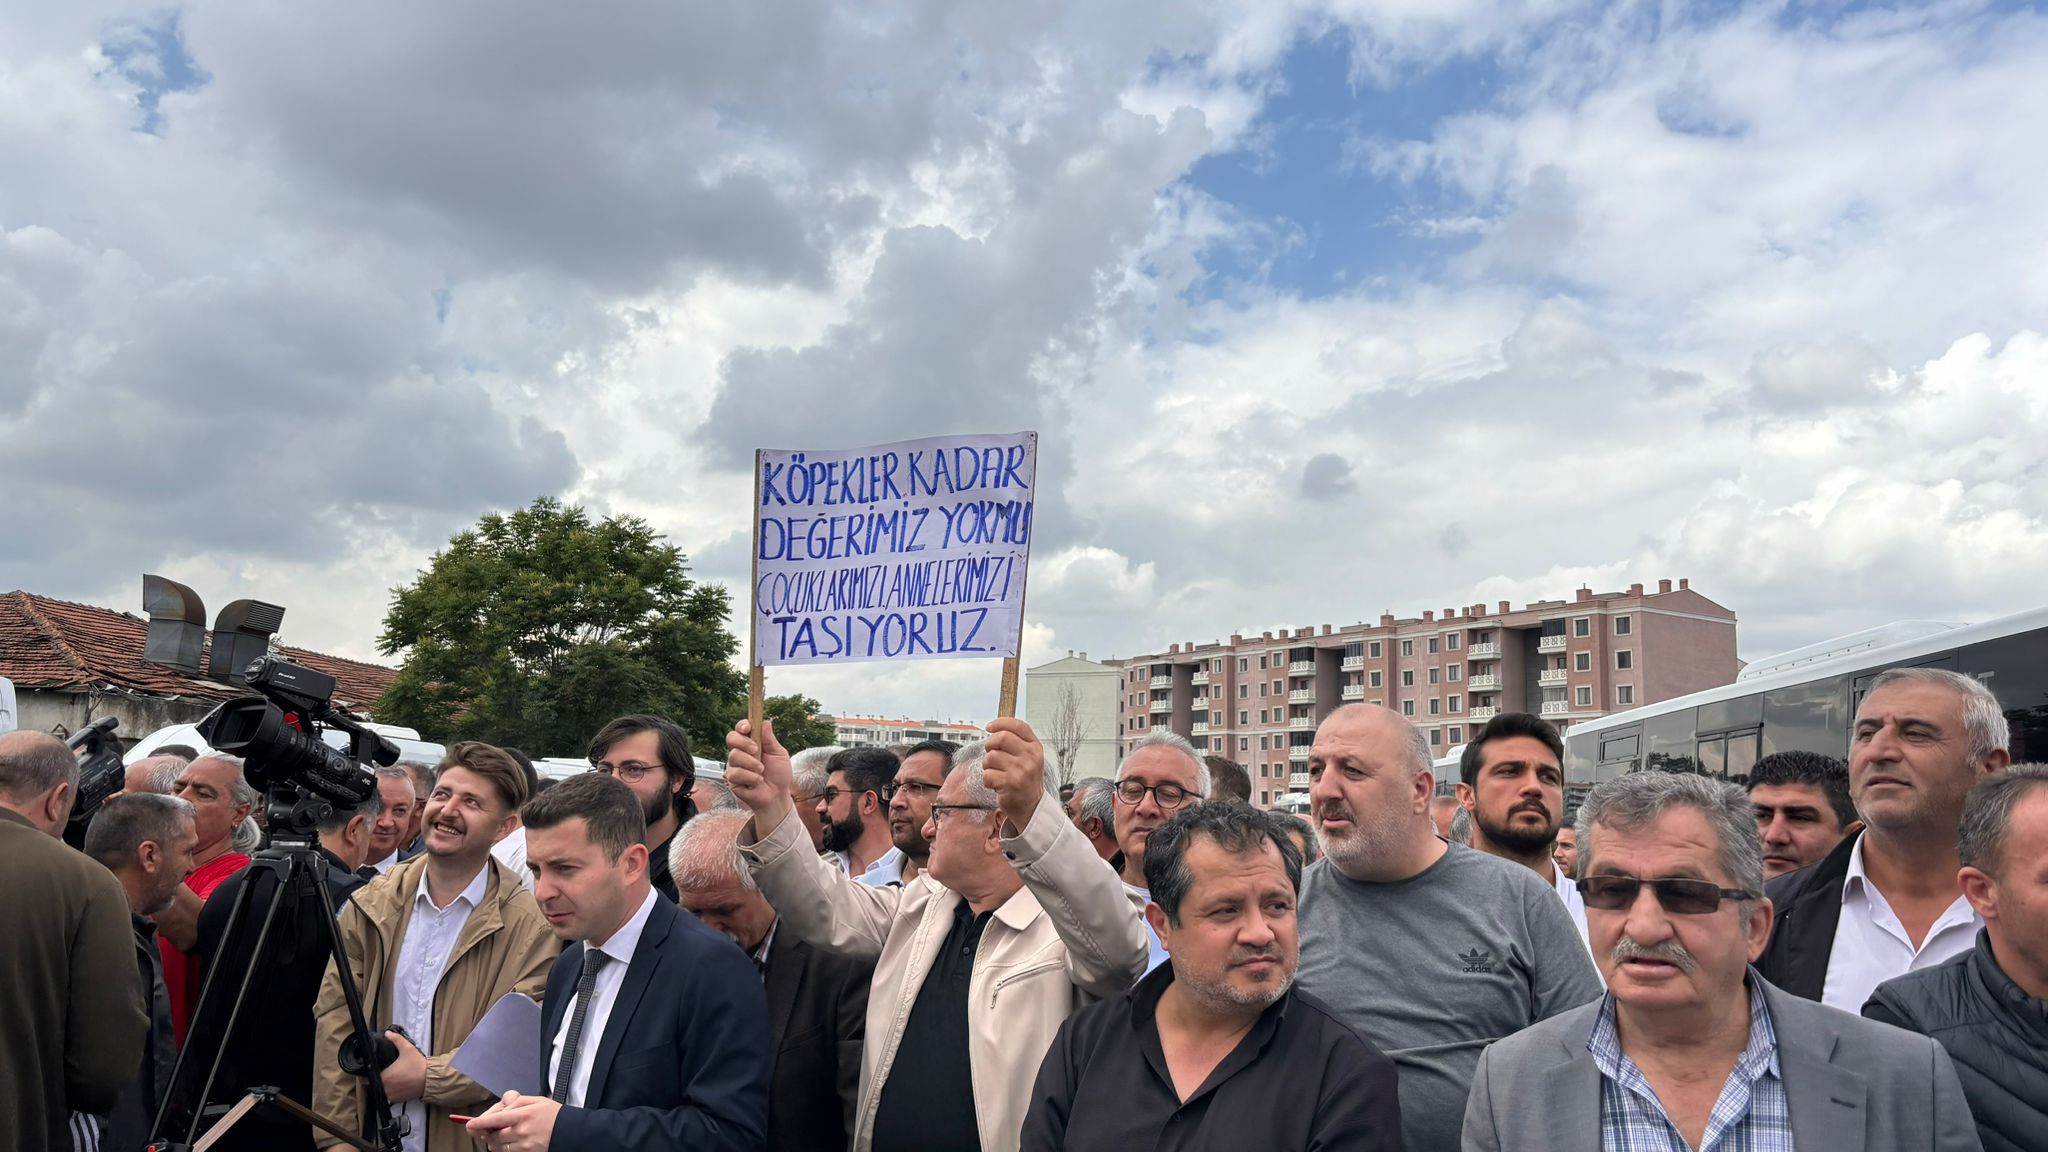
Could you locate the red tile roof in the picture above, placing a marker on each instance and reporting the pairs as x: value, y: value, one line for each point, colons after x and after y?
x: 47, y: 643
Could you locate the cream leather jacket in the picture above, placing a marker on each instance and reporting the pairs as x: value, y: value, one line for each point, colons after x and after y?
x: 1068, y: 937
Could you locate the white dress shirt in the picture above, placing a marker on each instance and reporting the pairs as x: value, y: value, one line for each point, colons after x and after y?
x: 606, y: 992
x: 430, y: 937
x: 511, y: 852
x: 1871, y: 945
x: 887, y: 870
x: 1568, y: 891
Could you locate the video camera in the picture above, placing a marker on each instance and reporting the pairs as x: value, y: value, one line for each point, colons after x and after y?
x: 277, y: 736
x: 100, y: 772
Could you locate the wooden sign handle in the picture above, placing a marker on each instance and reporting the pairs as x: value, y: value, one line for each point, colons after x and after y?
x: 1006, y: 699
x: 756, y: 682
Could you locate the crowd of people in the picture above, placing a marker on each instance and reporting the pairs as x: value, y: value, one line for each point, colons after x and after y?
x: 939, y: 947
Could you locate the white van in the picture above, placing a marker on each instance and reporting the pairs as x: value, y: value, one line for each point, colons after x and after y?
x: 9, y: 718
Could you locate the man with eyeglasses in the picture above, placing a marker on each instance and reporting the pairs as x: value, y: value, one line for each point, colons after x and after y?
x: 651, y: 756
x: 1160, y: 775
x: 1012, y: 925
x: 1431, y: 950
x: 808, y: 775
x: 1691, y: 1048
x: 855, y: 815
x: 910, y: 797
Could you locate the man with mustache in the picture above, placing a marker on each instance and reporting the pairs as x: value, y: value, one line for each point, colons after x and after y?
x: 855, y: 817
x: 1429, y: 949
x: 817, y: 1000
x: 1691, y: 1048
x: 1162, y: 773
x: 1512, y: 784
x: 1216, y: 1050
x: 1886, y: 902
x: 432, y: 946
x: 651, y: 756
x: 910, y: 797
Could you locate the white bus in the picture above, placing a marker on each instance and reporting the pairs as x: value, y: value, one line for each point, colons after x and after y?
x: 1807, y: 700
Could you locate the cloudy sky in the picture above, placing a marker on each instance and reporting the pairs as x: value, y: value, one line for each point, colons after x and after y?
x: 1320, y: 309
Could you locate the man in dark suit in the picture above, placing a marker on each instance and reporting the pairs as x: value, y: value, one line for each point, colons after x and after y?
x: 817, y: 1000
x: 654, y: 1029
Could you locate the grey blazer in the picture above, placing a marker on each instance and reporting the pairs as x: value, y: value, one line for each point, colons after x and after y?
x: 1851, y: 1085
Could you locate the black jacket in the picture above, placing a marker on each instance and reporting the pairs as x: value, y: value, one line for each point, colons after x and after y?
x: 1301, y: 1079
x: 274, y: 1034
x: 684, y: 1059
x: 1807, y: 907
x: 1995, y: 1034
x: 817, y: 1007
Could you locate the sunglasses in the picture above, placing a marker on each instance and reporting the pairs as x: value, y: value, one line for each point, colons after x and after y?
x: 1679, y: 897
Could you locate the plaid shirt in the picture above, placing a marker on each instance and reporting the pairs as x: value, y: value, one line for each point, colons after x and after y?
x: 1750, y: 1116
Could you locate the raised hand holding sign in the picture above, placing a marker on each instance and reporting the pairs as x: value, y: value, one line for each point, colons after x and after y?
x: 759, y: 774
x: 1015, y: 768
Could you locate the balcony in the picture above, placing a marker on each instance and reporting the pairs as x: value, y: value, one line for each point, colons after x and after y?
x: 1354, y: 663
x: 1556, y: 708
x: 1551, y: 643
x: 1354, y: 692
x: 1302, y: 696
x: 1302, y: 723
x: 1161, y: 706
x: 1482, y: 715
x: 1199, y: 678
x: 1297, y: 781
x: 1483, y: 652
x: 1298, y: 754
x: 1302, y: 668
x: 1162, y: 681
x: 1200, y: 728
x: 1551, y: 677
x: 1486, y: 682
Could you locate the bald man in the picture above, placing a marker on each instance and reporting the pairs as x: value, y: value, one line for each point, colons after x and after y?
x: 154, y: 774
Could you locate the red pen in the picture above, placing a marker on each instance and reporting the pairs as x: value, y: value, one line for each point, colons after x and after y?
x: 460, y: 1119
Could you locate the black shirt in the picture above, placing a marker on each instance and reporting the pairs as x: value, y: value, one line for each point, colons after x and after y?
x: 127, y: 1126
x: 657, y: 869
x: 927, y: 1103
x: 1300, y: 1079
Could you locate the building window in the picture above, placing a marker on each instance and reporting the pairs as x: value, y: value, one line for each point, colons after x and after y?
x: 1262, y: 689
x: 1455, y: 734
x: 1216, y: 718
x: 1585, y: 696
x: 1451, y: 642
x: 1375, y: 681
x: 1454, y: 672
x: 1436, y: 706
x: 1278, y: 688
x: 1625, y: 695
x: 1432, y: 645
x: 1436, y: 737
x: 1244, y: 743
x: 1407, y: 677
x: 1621, y: 625
x: 1373, y: 649
x: 1407, y: 707
x: 1244, y: 691
x: 1624, y: 660
x: 1434, y: 675
x: 1452, y: 703
x: 1244, y: 716
x: 1216, y: 665
x: 1583, y: 661
x: 1244, y: 663
x: 1262, y: 716
x: 1583, y: 626
x: 1262, y: 744
x: 1407, y: 647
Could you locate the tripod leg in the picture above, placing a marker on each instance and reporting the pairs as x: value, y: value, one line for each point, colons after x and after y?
x: 278, y: 899
x: 237, y: 916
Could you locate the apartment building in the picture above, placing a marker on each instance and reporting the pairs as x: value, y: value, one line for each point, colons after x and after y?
x: 863, y: 732
x: 1072, y: 704
x: 1258, y: 699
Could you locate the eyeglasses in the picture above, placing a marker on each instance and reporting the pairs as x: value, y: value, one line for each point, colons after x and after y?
x: 1167, y: 796
x: 831, y: 794
x: 632, y: 771
x: 918, y: 789
x: 1679, y: 897
x: 939, y: 810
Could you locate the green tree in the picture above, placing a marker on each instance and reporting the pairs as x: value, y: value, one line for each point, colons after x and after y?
x: 798, y: 723
x: 533, y: 629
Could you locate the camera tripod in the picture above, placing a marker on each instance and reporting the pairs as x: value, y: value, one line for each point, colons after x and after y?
x: 295, y: 863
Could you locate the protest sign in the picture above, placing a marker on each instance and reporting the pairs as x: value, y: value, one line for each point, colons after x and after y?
x: 908, y: 551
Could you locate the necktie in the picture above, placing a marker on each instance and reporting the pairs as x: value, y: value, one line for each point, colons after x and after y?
x: 586, y: 988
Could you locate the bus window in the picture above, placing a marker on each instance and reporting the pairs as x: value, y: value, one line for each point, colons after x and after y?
x: 2015, y: 668
x: 1745, y: 712
x: 1742, y: 754
x: 1620, y: 748
x: 1712, y: 755
x: 1668, y: 742
x: 1807, y: 717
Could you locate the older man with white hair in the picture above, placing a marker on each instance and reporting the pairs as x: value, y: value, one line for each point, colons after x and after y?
x: 809, y: 774
x: 1013, y: 924
x: 817, y: 1000
x: 1429, y: 949
x: 1160, y: 775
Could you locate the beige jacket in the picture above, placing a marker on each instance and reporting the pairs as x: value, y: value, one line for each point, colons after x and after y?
x: 505, y: 946
x: 1068, y: 937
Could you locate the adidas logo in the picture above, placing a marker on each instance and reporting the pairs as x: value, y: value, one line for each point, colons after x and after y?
x: 1477, y: 961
